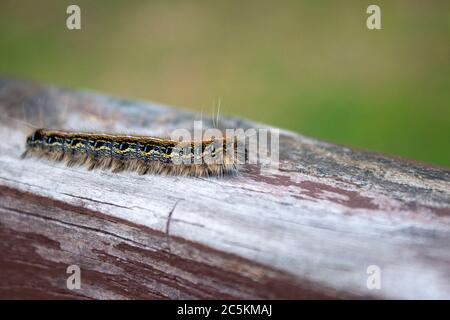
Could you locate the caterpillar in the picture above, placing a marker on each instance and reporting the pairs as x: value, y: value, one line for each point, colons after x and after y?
x: 142, y: 154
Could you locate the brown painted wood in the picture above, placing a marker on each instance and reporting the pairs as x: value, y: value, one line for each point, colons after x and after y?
x: 307, y: 230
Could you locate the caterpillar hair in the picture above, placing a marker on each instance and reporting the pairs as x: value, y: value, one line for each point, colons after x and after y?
x: 142, y: 154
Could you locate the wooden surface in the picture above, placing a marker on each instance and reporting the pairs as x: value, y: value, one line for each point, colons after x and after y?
x: 308, y: 230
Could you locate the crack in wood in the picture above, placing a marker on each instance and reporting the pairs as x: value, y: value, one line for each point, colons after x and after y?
x: 169, y: 219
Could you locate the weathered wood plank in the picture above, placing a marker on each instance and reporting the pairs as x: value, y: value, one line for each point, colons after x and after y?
x: 308, y: 230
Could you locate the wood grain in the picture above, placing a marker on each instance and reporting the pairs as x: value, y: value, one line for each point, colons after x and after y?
x: 307, y: 230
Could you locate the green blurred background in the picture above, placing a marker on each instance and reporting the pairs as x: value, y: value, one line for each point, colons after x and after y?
x: 309, y: 66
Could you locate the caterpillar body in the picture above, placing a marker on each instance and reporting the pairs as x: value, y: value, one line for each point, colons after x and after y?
x: 142, y: 154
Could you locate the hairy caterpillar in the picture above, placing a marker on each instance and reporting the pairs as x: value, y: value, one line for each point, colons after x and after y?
x: 142, y: 154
